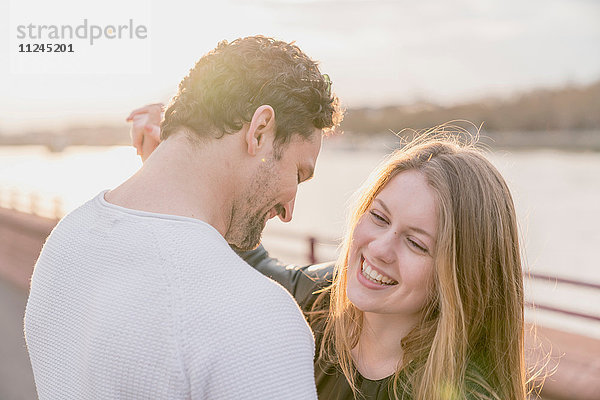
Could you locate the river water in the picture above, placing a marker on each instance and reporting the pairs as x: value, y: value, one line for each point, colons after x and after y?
x: 557, y: 196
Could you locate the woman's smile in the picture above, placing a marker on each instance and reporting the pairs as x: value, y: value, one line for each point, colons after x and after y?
x: 373, y: 278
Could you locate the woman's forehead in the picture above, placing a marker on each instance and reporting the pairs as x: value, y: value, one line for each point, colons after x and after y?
x: 409, y: 196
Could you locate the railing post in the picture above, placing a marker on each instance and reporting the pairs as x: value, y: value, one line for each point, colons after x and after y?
x: 58, y: 208
x: 33, y: 203
x: 311, y: 255
x: 14, y: 199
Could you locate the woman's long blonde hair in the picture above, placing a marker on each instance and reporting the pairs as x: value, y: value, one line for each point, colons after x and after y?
x: 469, y: 341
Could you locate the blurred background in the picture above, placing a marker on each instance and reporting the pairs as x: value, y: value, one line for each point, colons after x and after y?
x: 526, y: 74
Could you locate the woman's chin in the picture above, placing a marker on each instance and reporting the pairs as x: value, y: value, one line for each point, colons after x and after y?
x: 358, y: 296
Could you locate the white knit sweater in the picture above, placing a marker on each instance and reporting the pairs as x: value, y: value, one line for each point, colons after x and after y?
x: 127, y: 304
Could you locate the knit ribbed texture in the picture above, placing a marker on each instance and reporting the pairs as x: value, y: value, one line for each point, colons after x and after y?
x: 127, y: 304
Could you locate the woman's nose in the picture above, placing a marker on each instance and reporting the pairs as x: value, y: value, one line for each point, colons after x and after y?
x: 383, y: 247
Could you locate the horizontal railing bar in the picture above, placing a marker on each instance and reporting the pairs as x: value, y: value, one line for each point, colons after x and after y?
x: 561, y: 311
x: 294, y: 235
x: 562, y: 280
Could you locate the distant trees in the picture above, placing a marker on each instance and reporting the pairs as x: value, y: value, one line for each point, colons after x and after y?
x: 572, y: 108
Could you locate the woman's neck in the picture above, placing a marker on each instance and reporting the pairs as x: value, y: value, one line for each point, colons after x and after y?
x: 379, y: 352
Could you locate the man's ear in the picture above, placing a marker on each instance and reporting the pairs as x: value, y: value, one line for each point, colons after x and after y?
x: 262, y: 128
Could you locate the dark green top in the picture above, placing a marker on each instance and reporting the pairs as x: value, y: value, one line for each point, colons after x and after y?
x: 302, y: 283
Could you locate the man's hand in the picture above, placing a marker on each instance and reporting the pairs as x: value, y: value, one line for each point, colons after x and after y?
x: 145, y: 129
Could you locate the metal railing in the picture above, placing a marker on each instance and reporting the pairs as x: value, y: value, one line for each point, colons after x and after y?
x: 313, y: 242
x: 31, y: 203
x: 554, y: 279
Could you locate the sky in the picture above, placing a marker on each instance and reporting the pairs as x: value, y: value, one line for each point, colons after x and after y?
x: 376, y: 52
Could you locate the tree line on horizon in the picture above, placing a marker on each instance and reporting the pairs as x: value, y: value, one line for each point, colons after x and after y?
x: 571, y: 108
x: 568, y: 109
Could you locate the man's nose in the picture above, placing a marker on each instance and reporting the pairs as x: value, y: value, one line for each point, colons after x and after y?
x: 286, y: 214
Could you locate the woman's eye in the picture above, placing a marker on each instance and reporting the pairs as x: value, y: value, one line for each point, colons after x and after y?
x: 417, y: 246
x: 378, y: 217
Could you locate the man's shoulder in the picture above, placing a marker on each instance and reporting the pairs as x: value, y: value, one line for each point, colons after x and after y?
x: 221, y: 274
x: 226, y: 290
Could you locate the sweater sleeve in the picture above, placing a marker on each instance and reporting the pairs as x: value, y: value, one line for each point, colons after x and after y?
x: 301, y: 281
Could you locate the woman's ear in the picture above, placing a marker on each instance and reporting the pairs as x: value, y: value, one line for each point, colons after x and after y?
x: 261, y: 131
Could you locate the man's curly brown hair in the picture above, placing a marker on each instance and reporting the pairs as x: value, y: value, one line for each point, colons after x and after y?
x: 228, y: 84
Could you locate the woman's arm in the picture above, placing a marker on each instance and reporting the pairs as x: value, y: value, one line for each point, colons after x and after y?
x: 145, y: 128
x: 301, y: 282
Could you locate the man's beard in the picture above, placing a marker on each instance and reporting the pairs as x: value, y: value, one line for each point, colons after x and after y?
x: 247, y: 234
x: 247, y: 223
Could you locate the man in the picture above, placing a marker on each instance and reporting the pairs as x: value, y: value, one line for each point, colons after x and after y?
x: 137, y: 294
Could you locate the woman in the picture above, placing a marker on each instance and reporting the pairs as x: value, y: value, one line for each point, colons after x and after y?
x: 426, y: 298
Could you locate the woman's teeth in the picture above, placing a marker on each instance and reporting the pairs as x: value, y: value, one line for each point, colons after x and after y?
x: 375, y: 276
